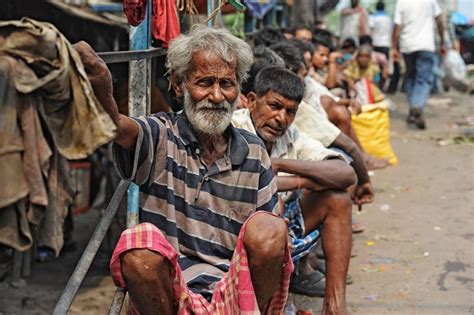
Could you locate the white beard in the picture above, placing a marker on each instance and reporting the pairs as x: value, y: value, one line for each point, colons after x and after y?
x: 203, y: 116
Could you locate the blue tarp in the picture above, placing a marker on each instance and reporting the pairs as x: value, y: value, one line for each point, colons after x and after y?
x: 258, y: 8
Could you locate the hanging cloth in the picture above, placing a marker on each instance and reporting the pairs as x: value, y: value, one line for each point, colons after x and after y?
x: 164, y: 20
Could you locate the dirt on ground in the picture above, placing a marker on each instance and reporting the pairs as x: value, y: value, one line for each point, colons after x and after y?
x: 416, y: 255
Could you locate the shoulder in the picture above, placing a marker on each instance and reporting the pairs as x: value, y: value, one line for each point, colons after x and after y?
x: 251, y: 138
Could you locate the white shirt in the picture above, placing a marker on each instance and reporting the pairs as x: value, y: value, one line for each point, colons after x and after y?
x: 292, y: 145
x: 417, y: 24
x: 382, y: 27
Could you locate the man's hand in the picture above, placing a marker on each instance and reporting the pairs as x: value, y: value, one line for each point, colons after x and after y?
x: 355, y: 107
x: 99, y: 77
x: 101, y: 81
x: 442, y: 49
x: 363, y: 194
x: 334, y: 55
x: 395, y: 54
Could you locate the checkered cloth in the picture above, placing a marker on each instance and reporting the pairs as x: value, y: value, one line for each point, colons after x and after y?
x: 301, y: 245
x: 233, y: 294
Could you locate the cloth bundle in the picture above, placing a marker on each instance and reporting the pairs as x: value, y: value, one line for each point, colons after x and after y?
x: 48, y: 114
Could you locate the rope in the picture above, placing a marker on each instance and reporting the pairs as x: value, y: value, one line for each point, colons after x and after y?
x: 216, y: 10
x: 187, y: 6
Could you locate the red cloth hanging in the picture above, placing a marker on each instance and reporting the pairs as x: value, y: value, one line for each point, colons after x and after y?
x: 164, y: 20
x: 135, y: 10
x: 165, y: 24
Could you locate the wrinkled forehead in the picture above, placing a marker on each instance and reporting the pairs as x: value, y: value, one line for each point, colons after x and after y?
x: 205, y: 62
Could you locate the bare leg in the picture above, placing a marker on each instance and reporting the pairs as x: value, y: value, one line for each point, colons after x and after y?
x: 331, y: 209
x: 265, y: 239
x: 149, y: 281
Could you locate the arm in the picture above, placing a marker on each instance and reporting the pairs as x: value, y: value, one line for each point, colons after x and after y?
x: 331, y: 81
x: 364, y: 191
x: 290, y: 183
x: 439, y: 23
x: 328, y: 174
x: 346, y: 144
x: 101, y: 81
x: 395, y: 37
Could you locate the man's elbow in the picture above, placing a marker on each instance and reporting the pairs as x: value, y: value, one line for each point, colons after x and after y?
x: 347, y: 176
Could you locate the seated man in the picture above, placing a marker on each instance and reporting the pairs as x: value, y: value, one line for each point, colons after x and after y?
x: 333, y: 107
x: 208, y: 242
x: 302, y: 163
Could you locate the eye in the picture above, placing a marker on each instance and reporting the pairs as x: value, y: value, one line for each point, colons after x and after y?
x: 275, y: 106
x: 291, y: 112
x: 205, y: 82
x: 226, y: 83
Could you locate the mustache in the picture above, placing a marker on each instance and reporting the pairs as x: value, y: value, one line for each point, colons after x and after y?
x: 277, y: 126
x: 207, y: 105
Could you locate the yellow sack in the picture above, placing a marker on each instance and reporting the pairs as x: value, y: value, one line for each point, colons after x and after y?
x: 372, y: 127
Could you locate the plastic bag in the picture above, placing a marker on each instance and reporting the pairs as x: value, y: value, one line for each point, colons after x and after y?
x: 372, y: 127
x: 454, y: 65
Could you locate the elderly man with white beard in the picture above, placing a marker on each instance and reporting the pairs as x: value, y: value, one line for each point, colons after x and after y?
x: 210, y: 240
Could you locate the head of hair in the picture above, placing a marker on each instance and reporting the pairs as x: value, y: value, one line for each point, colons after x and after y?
x: 321, y: 41
x: 365, y: 49
x: 302, y: 45
x: 365, y: 40
x: 291, y: 55
x: 380, y: 6
x: 348, y: 43
x: 268, y: 36
x: 214, y: 41
x: 281, y: 81
x: 263, y: 57
x: 322, y: 38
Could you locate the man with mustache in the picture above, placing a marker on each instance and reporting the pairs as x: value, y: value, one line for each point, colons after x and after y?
x: 319, y: 177
x: 208, y: 242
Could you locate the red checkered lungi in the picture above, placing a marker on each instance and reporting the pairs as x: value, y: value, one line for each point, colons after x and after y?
x: 233, y: 294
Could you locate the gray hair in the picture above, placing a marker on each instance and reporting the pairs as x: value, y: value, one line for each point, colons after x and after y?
x: 218, y: 41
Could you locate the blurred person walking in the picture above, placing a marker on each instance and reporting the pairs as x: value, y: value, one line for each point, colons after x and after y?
x: 354, y: 22
x: 414, y: 27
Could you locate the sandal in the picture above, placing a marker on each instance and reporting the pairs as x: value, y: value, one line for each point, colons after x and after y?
x: 358, y: 227
x: 313, y: 284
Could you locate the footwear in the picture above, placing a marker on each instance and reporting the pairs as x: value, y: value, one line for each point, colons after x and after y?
x: 313, y: 284
x: 357, y: 227
x: 415, y: 116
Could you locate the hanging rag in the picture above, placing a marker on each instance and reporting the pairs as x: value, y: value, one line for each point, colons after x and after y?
x: 164, y: 20
x: 48, y: 66
x: 48, y: 112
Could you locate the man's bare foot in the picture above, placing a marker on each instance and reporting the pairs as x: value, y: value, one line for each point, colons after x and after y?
x: 331, y: 308
x: 374, y: 163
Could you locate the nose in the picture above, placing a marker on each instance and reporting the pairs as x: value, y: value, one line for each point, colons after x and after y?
x: 281, y: 118
x: 216, y: 96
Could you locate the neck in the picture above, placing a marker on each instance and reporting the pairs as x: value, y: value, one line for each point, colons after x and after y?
x: 215, y: 146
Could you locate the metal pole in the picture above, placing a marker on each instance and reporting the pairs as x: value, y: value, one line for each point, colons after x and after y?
x: 139, y: 88
x: 210, y: 8
x: 85, y: 262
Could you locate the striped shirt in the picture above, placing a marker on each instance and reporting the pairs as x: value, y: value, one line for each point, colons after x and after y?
x: 200, y: 210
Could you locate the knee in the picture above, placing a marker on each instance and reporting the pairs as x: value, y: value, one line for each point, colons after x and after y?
x: 339, y: 202
x: 266, y: 237
x: 142, y: 264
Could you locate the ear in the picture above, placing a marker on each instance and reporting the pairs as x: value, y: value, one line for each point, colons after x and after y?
x: 176, y: 84
x: 252, y: 100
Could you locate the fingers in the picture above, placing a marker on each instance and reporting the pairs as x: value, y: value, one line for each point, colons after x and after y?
x: 93, y: 64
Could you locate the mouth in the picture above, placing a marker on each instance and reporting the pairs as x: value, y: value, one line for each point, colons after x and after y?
x: 276, y: 131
